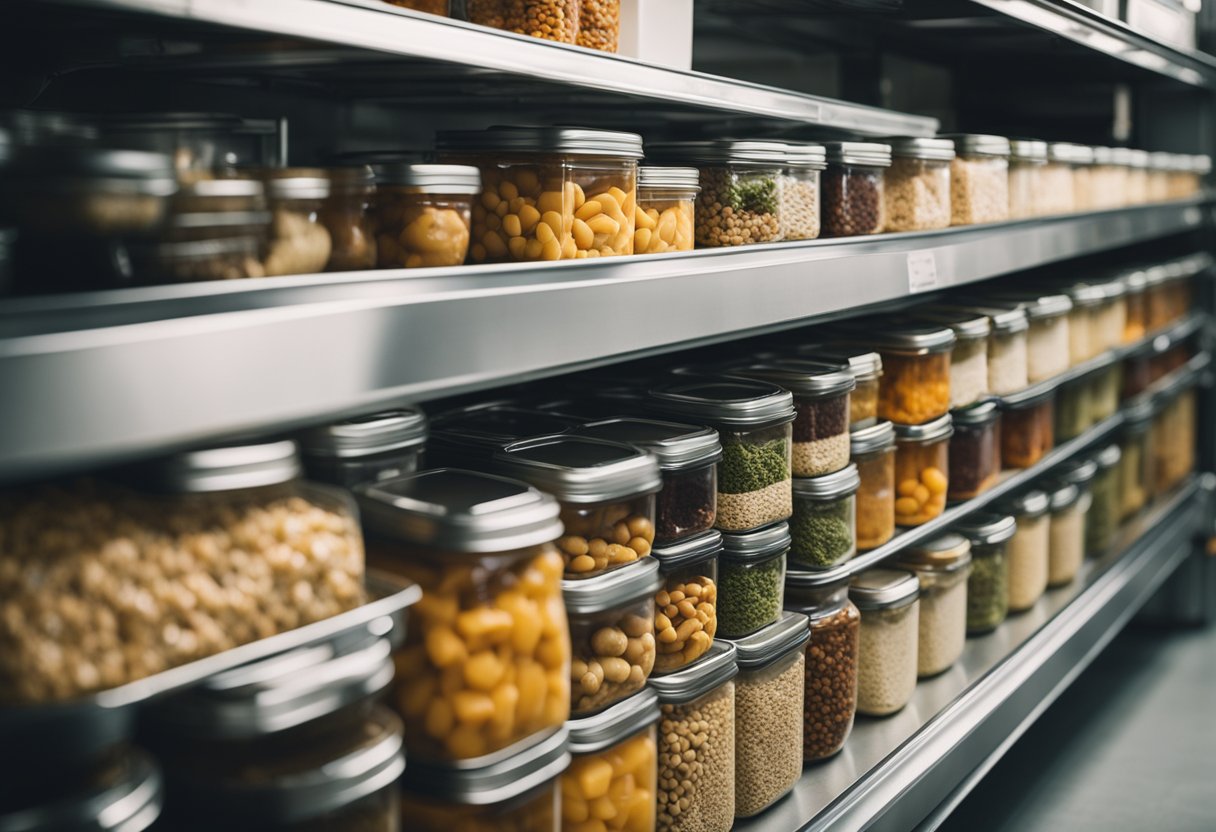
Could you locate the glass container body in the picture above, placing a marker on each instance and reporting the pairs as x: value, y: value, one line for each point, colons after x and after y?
x: 1109, y: 323
x: 853, y: 200
x: 613, y: 789
x: 1026, y: 189
x: 686, y: 613
x: 234, y: 258
x: 942, y: 619
x: 1066, y: 547
x: 823, y: 531
x: 1102, y: 521
x: 687, y: 504
x: 863, y: 403
x: 1028, y: 558
x: 664, y: 220
x: 750, y: 594
x: 299, y: 241
x: 1136, y: 478
x: 887, y: 662
x: 738, y: 205
x: 1157, y: 306
x: 698, y: 793
x: 1008, y: 369
x: 1057, y: 194
x: 599, y: 24
x: 1047, y: 350
x: 416, y: 229
x: 604, y: 536
x: 968, y: 371
x: 975, y: 459
x: 1104, y: 388
x: 979, y: 190
x: 831, y: 667
x: 555, y: 20
x: 915, y: 388
x: 347, y: 217
x: 1137, y: 374
x: 821, y: 435
x: 875, y: 522
x: 916, y: 193
x: 1083, y: 187
x: 987, y: 587
x: 921, y: 480
x: 754, y: 486
x: 264, y: 560
x: 1080, y: 340
x: 769, y: 704
x: 1073, y: 412
x: 800, y: 209
x: 537, y: 811
x: 1173, y: 441
x: 1136, y: 326
x: 1027, y: 433
x: 613, y: 654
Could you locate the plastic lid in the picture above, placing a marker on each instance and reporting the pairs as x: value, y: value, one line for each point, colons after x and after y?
x: 579, y: 469
x: 832, y: 486
x: 978, y: 144
x: 461, y: 511
x: 967, y: 324
x: 811, y: 156
x: 711, y: 671
x: 651, y: 176
x: 1108, y: 457
x: 946, y: 553
x: 699, y: 547
x: 497, y: 783
x: 578, y: 141
x: 879, y: 589
x: 788, y: 633
x: 674, y: 445
x: 723, y: 151
x: 1029, y: 505
x: 864, y: 364
x: 940, y: 428
x: 915, y: 147
x: 756, y: 545
x: 730, y: 404
x: 909, y: 337
x: 376, y: 433
x: 804, y: 378
x: 869, y: 154
x: 128, y: 798
x: 600, y: 731
x: 226, y: 468
x: 867, y: 440
x: 981, y: 413
x: 481, y: 430
x: 1064, y: 495
x: 987, y: 529
x: 430, y: 179
x: 609, y: 590
x: 1079, y: 472
x: 1027, y: 150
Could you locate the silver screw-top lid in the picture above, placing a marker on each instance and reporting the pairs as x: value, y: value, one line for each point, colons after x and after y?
x: 430, y: 179
x: 947, y: 553
x: 575, y: 141
x: 726, y: 403
x: 804, y: 378
x: 296, y: 183
x: 721, y: 151
x: 981, y: 413
x: 1030, y: 151
x: 867, y: 440
x: 916, y: 147
x: 376, y: 433
x: 979, y: 144
x: 652, y: 176
x: 1029, y: 505
x: 865, y: 154
x: 987, y: 529
x: 494, y: 784
x: 225, y: 468
x: 808, y: 156
x: 832, y: 486
x: 698, y: 547
x: 932, y: 431
x: 880, y: 589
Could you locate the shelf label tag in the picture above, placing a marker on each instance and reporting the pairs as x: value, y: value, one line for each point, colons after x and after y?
x: 922, y: 272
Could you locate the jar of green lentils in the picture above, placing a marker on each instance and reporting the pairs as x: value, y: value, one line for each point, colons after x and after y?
x: 988, y: 583
x: 751, y: 579
x: 824, y: 521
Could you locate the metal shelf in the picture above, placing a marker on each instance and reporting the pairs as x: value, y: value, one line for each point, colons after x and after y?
x: 109, y: 375
x: 901, y: 771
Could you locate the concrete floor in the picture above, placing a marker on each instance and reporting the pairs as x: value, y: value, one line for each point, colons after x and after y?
x: 1128, y: 748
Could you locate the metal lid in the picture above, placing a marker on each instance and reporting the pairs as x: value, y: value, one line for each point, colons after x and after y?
x: 675, y: 446
x: 1027, y: 150
x: 940, y: 428
x: 809, y: 156
x: 578, y: 469
x: 1085, y: 295
x: 1039, y: 307
x: 867, y: 440
x: 460, y: 511
x: 915, y: 147
x: 351, y: 179
x: 987, y: 529
x: 788, y: 633
x: 1113, y: 288
x: 1103, y: 155
x: 490, y: 785
x: 805, y: 379
x: 1068, y: 153
x: 1155, y: 275
x: 981, y: 413
x: 600, y: 731
x: 127, y: 798
x: 909, y: 337
x: 651, y: 176
x: 728, y: 403
x: 1079, y: 472
x: 756, y: 545
x: 612, y: 589
x: 832, y: 486
x: 1138, y: 158
x: 968, y: 324
x: 576, y: 141
x: 1030, y: 504
x: 1108, y: 457
x: 1004, y: 321
x: 721, y: 151
x: 868, y: 154
x: 430, y: 179
x: 1032, y: 396
x: 376, y: 433
x: 711, y: 671
x: 1201, y: 164
x: 476, y: 433
x: 1134, y: 282
x: 707, y: 544
x: 297, y: 183
x: 880, y: 589
x: 947, y: 553
x: 58, y: 168
x: 1063, y: 496
x: 222, y: 189
x: 225, y: 468
x: 978, y: 144
x: 864, y: 364
x: 818, y: 579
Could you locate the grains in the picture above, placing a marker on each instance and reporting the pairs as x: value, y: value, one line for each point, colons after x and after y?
x: 686, y: 505
x: 1028, y: 558
x: 697, y: 764
x: 943, y: 621
x: 1067, y: 545
x: 753, y: 483
x: 831, y: 683
x: 852, y: 201
x: 979, y: 190
x: 917, y: 195
x: 752, y: 509
x: 968, y: 371
x: 599, y: 24
x: 987, y: 589
x: 821, y: 435
x: 737, y: 208
x: 1007, y: 367
x: 686, y: 620
x: 975, y: 458
x: 822, y: 532
x: 768, y: 741
x: 749, y: 594
x: 875, y: 523
x: 821, y: 456
x: 1047, y: 348
x: 887, y: 659
x: 799, y: 207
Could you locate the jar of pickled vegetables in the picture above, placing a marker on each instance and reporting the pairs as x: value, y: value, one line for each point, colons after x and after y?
x: 1136, y: 474
x: 422, y: 214
x: 665, y: 215
x: 346, y: 215
x: 921, y: 470
x: 611, y: 783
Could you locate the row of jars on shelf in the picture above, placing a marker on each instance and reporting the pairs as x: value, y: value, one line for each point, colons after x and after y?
x: 595, y: 24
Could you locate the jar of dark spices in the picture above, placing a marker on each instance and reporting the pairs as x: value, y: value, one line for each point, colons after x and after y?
x: 975, y: 450
x: 853, y: 201
x: 988, y: 584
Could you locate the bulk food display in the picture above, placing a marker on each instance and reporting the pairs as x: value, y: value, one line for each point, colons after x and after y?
x: 548, y: 193
x: 988, y: 584
x: 1047, y: 352
x: 873, y: 451
x: 1066, y: 545
x: 686, y: 606
x: 921, y: 466
x: 1027, y: 192
x: 1058, y: 194
x: 822, y: 528
x: 1073, y: 413
x: 1103, y: 390
x: 486, y: 664
x: 1028, y: 550
x: 916, y: 188
x: 1136, y: 285
x: 378, y: 446
x: 799, y: 184
x: 887, y: 658
x: 942, y: 566
x: 423, y: 214
x: 751, y: 579
x: 1027, y: 427
x: 979, y: 179
x: 1084, y: 326
x: 666, y: 210
x: 975, y: 450
x: 853, y: 196
x: 969, y: 358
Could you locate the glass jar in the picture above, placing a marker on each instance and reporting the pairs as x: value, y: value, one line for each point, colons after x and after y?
x: 698, y: 703
x: 124, y: 793
x: 1137, y: 372
x: 1136, y: 474
x: 378, y: 446
x: 975, y: 450
x: 915, y: 387
x: 1027, y: 188
x: 347, y: 217
x: 873, y: 451
x: 613, y: 777
x: 469, y: 437
x: 853, y: 198
x: 890, y: 630
x: 969, y: 361
x: 519, y: 793
x: 988, y: 584
x: 942, y: 566
x: 1073, y: 414
x: 422, y: 214
x: 208, y: 519
x: 1102, y: 522
x: 201, y: 145
x: 1107, y: 179
x: 1066, y: 543
x: 1084, y: 337
x: 485, y: 669
x: 1110, y: 322
x: 1047, y: 346
x: 769, y: 704
x: 1058, y: 181
x: 1173, y: 438
x: 1008, y: 350
x: 754, y: 423
x: 979, y: 179
x: 1083, y: 178
x: 1104, y: 386
x: 751, y: 579
x: 686, y: 606
x: 1156, y: 303
x: 612, y: 634
x: 606, y: 490
x: 299, y: 241
x: 800, y: 192
x: 825, y: 511
x: 1027, y: 428
x: 555, y: 20
x: 1179, y: 282
x: 665, y: 217
x: 831, y: 660
x: 866, y: 368
x: 921, y: 470
x: 439, y: 7
x: 1137, y: 177
x: 599, y: 24
x: 1028, y: 550
x: 1159, y: 165
x: 549, y: 193
x: 742, y: 176
x: 1136, y: 286
x: 916, y: 188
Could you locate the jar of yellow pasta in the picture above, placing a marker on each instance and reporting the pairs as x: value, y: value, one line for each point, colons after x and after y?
x: 666, y: 210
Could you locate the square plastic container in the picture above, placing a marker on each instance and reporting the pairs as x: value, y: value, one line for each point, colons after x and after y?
x: 666, y: 211
x: 1028, y: 550
x: 979, y: 179
x: 1027, y: 186
x: 823, y: 527
x: 686, y: 607
x: 873, y: 451
x: 988, y: 584
x: 922, y: 470
x: 375, y: 447
x: 423, y: 214
x: 1027, y: 428
x: 800, y: 209
x: 916, y: 188
x: 942, y: 566
x: 890, y: 631
x: 975, y: 450
x: 866, y: 367
x: 751, y: 579
x: 854, y: 202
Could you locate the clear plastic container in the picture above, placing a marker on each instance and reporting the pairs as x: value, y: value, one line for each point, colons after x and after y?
x: 202, y: 145
x: 469, y: 437
x: 975, y: 450
x: 921, y: 470
x: 375, y: 447
x: 1073, y: 413
x: 890, y: 632
x: 1027, y: 186
x: 1083, y: 177
x: 800, y: 210
x: 769, y: 700
x: 1103, y: 387
x: 822, y: 529
x: 230, y: 527
x: 1047, y: 346
x: 1084, y: 333
x: 866, y: 367
x: 1066, y: 544
x: 665, y: 218
x: 942, y: 566
x: 873, y: 451
x: 599, y: 24
x: 988, y: 584
x: 751, y: 579
x: 686, y: 607
x: 1027, y: 428
x: 754, y: 420
x: 485, y: 668
x: 916, y: 188
x: 1028, y: 550
x: 979, y: 179
x: 549, y: 193
x: 969, y: 358
x: 854, y: 202
x: 299, y: 241
x: 915, y: 386
x: 698, y: 705
x: 1058, y: 194
x: 347, y: 216
x: 612, y: 780
x: 1136, y: 464
x: 556, y: 20
x: 422, y: 214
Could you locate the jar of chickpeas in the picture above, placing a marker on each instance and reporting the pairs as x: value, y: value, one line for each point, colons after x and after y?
x: 921, y: 470
x: 555, y: 20
x: 549, y: 193
x: 422, y: 214
x: 485, y: 669
x: 665, y: 212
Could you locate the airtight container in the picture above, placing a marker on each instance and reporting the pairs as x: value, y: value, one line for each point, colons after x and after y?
x: 854, y: 202
x: 866, y: 367
x: 469, y: 437
x: 751, y: 579
x: 686, y: 606
x: 1136, y: 474
x: 378, y: 446
x: 568, y: 192
x: 1084, y: 327
x: 1008, y: 351
x: 1027, y: 191
x: 915, y: 385
x: 1104, y: 386
x: 979, y: 179
x: 975, y: 450
x: 942, y: 566
x: 988, y: 584
x: 423, y: 214
x: 1057, y: 179
x: 916, y: 188
x: 1066, y: 544
x: 1028, y: 550
x: 969, y: 358
x: 822, y: 528
x: 666, y: 210
x: 1137, y: 326
x: 1110, y: 320
x: 921, y: 470
x: 873, y: 451
x: 599, y: 24
x: 1027, y: 427
x: 485, y: 670
x: 890, y: 632
x: 1102, y: 522
x: 299, y: 241
x: 800, y: 211
x: 1047, y: 346
x: 1074, y: 415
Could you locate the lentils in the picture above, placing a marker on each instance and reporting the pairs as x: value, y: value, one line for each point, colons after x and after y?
x: 852, y: 201
x: 613, y: 661
x: 604, y: 537
x: 751, y: 595
x: 697, y: 764
x: 735, y: 209
x: 754, y: 486
x: 685, y: 621
x: 831, y: 683
x: 768, y: 748
x: 887, y: 673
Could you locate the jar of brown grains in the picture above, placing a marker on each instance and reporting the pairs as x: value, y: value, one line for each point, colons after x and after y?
x: 916, y: 188
x: 599, y: 24
x: 853, y: 197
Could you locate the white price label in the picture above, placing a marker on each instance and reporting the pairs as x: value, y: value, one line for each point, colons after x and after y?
x: 922, y: 272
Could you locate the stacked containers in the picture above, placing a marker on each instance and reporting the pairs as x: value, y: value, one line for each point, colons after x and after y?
x: 823, y: 527
x: 853, y: 199
x: 942, y: 566
x: 1028, y: 550
x: 975, y: 450
x: 916, y: 188
x: 751, y: 579
x: 866, y: 368
x: 890, y: 615
x: 666, y: 213
x: 685, y: 631
x: 969, y: 358
x: 988, y: 584
x: 873, y: 451
x: 1081, y: 473
x: 1027, y: 163
x: 469, y: 437
x: 921, y: 466
x: 800, y: 210
x: 1103, y: 518
x: 368, y: 448
x: 979, y: 179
